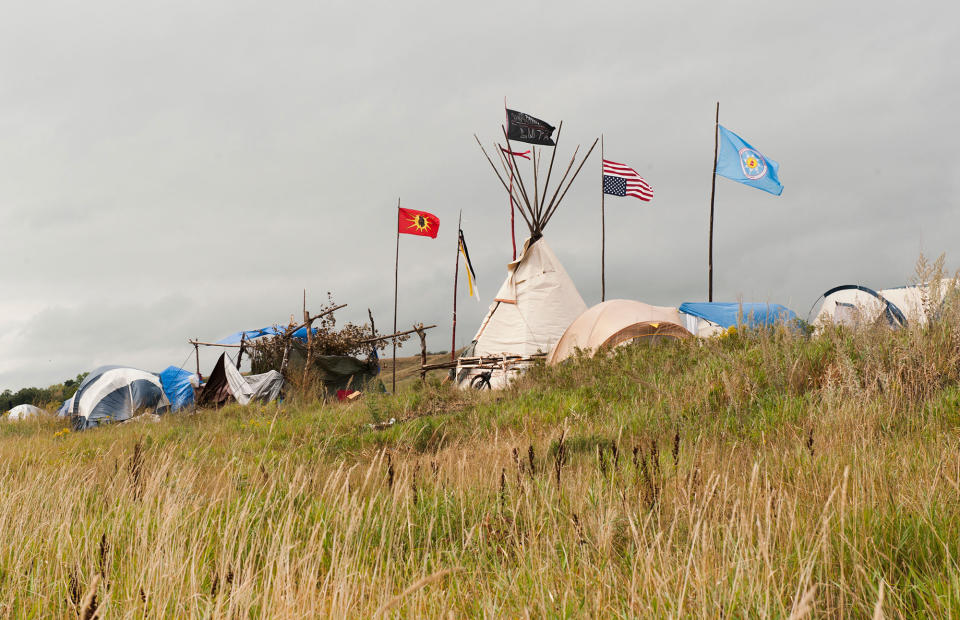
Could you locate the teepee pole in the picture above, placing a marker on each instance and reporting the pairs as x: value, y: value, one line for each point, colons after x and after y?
x: 502, y: 182
x: 603, y: 232
x: 523, y: 188
x: 573, y: 160
x: 396, y: 280
x: 572, y: 179
x: 456, y: 273
x: 546, y: 185
x: 508, y: 171
x: 713, y: 191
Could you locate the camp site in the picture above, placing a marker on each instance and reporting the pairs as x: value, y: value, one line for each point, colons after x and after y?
x: 500, y: 310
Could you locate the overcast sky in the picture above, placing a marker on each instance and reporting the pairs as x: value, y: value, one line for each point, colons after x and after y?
x: 173, y: 170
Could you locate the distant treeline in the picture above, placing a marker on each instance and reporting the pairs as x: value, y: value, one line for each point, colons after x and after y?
x: 40, y: 396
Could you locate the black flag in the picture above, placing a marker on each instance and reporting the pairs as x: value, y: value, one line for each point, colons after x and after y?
x: 525, y: 128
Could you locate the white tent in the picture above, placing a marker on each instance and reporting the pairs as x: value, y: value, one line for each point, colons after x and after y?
x: 917, y: 301
x: 854, y: 305
x: 24, y: 412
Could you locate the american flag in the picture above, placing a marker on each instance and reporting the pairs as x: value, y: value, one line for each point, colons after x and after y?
x: 620, y: 180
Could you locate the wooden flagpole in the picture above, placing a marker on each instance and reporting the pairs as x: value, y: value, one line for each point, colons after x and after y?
x: 533, y: 157
x: 396, y: 280
x: 603, y: 233
x: 456, y: 273
x: 713, y: 191
x: 513, y: 234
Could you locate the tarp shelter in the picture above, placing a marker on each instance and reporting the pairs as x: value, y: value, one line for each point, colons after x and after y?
x: 114, y: 394
x: 24, y: 412
x: 706, y: 319
x: 616, y: 322
x: 343, y: 372
x: 336, y: 372
x: 855, y: 305
x: 178, y: 385
x: 226, y: 383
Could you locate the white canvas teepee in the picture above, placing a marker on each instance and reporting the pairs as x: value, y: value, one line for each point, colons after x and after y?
x: 538, y: 300
x: 534, y: 306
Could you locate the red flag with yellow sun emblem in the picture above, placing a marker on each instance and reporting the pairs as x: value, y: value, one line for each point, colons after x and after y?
x: 418, y: 223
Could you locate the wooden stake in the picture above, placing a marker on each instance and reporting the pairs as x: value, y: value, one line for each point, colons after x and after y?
x: 396, y: 281
x: 423, y: 350
x: 456, y: 273
x: 373, y: 329
x: 240, y: 352
x: 713, y: 191
x: 286, y: 355
x: 308, y: 323
x: 603, y: 232
x: 196, y: 352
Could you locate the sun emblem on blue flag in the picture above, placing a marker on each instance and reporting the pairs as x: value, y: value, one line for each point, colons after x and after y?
x: 753, y: 164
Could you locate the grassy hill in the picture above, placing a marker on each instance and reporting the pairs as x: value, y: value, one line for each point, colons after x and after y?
x: 754, y: 475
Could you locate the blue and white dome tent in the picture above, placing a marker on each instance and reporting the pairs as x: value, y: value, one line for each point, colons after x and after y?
x: 114, y: 394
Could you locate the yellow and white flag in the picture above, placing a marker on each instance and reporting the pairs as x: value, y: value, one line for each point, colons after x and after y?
x: 471, y: 274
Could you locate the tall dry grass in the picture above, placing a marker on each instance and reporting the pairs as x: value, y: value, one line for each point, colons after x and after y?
x: 761, y: 474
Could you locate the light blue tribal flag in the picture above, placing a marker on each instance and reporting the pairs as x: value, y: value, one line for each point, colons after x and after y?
x: 739, y: 161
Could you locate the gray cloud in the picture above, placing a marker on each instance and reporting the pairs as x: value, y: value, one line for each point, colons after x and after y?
x: 176, y: 170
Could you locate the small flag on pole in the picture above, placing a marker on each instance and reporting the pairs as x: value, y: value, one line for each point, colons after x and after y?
x: 738, y: 161
x: 421, y: 223
x: 523, y: 154
x: 525, y: 128
x: 471, y: 275
x: 620, y: 180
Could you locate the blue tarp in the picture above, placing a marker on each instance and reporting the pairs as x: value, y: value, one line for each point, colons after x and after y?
x: 176, y: 385
x: 273, y: 330
x: 748, y: 314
